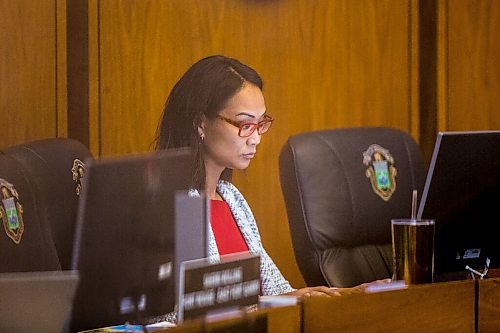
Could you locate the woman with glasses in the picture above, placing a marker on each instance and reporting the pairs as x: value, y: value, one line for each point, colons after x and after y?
x: 218, y: 109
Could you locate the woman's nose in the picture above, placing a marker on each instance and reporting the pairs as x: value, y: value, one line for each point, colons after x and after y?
x: 254, y: 139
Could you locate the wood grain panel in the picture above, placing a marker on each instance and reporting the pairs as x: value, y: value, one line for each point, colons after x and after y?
x: 94, y: 78
x: 78, y: 60
x: 61, y: 69
x: 438, y: 307
x: 489, y: 306
x: 325, y: 64
x: 28, y: 78
x: 472, y: 65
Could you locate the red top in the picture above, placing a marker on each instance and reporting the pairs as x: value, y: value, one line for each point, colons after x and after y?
x: 227, y: 234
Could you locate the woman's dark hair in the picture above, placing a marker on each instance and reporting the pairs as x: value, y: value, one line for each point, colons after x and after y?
x: 203, y: 90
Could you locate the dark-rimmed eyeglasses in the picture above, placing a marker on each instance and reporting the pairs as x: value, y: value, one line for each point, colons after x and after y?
x: 247, y: 129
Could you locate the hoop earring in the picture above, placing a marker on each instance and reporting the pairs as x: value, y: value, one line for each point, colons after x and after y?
x: 202, y: 138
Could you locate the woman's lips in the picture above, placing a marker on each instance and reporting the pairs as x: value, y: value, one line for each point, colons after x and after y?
x: 249, y: 155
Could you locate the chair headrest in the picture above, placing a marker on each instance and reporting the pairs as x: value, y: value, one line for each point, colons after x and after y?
x: 352, y: 182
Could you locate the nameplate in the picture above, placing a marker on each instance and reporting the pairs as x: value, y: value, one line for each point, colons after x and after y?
x: 210, y: 287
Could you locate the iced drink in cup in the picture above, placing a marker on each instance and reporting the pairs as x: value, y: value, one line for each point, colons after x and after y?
x: 413, y: 250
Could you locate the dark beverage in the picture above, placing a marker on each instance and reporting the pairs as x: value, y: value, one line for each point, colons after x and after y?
x: 413, y: 250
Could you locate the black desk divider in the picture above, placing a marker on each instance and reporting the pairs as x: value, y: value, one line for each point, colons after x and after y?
x: 125, y: 239
x: 191, y: 229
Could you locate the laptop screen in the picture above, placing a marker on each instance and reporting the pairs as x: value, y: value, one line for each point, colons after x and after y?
x: 462, y: 194
x: 124, y: 243
x: 36, y: 301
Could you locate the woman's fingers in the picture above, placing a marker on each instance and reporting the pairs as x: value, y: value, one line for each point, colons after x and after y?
x: 320, y: 291
x: 323, y: 291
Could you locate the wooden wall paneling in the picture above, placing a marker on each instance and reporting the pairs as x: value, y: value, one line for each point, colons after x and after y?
x: 325, y: 65
x: 427, y: 76
x: 472, y: 65
x: 28, y: 65
x: 145, y: 47
x: 61, y: 71
x: 78, y: 69
x: 442, y: 65
x: 94, y: 125
x: 414, y: 68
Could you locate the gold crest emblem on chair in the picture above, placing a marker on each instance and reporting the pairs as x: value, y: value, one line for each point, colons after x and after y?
x: 381, y: 171
x: 78, y: 171
x: 11, y: 211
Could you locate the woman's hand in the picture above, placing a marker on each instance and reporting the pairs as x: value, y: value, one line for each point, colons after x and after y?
x: 322, y: 291
x: 319, y: 291
x: 362, y: 287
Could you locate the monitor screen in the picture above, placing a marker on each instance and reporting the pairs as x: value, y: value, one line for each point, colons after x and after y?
x: 124, y: 244
x: 462, y: 194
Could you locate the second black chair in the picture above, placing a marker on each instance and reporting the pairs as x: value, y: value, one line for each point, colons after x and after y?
x: 25, y: 240
x: 56, y: 167
x: 341, y: 188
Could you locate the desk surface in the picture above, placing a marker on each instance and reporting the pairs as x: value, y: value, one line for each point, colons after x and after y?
x: 276, y: 320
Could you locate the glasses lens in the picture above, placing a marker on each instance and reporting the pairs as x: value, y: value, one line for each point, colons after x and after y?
x: 264, y: 126
x: 247, y: 129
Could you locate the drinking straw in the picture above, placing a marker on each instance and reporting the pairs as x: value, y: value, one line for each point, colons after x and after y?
x: 414, y: 207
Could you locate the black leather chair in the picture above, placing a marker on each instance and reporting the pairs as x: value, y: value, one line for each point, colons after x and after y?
x: 56, y: 167
x: 341, y: 188
x: 25, y: 240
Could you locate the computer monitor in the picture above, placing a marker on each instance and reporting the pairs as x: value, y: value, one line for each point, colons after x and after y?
x: 124, y: 244
x: 462, y: 194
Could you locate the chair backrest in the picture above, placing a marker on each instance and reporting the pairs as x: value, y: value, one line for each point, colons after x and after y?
x: 341, y: 189
x: 25, y: 243
x: 56, y: 166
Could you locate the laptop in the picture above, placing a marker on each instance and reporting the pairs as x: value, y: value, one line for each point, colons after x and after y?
x: 36, y: 301
x: 462, y: 193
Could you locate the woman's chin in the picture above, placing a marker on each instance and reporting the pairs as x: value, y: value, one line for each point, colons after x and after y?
x: 241, y: 166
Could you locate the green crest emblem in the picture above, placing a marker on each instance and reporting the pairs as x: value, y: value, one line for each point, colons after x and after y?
x: 11, y: 211
x: 381, y: 171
